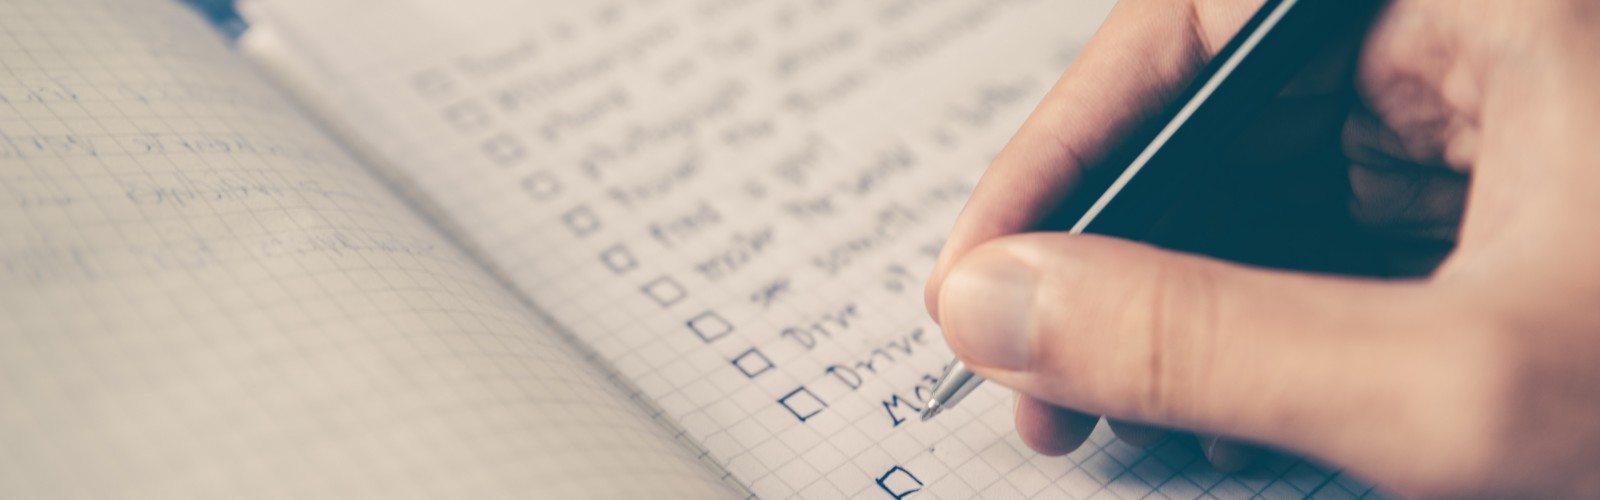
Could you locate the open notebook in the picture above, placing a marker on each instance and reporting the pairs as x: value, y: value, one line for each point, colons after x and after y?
x: 618, y: 249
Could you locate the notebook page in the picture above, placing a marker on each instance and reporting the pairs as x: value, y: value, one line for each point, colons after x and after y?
x: 736, y: 203
x: 202, y: 297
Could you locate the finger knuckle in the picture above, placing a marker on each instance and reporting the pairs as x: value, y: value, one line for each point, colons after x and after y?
x: 1173, y: 333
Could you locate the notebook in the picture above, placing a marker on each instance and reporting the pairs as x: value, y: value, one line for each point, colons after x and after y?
x: 531, y: 249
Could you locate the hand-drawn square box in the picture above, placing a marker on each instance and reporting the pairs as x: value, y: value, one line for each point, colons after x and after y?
x: 709, y: 326
x: 432, y: 84
x: 618, y: 259
x: 664, y: 290
x: 752, y: 363
x: 899, y: 483
x: 504, y: 150
x: 581, y: 221
x: 466, y: 116
x: 541, y: 185
x: 802, y: 403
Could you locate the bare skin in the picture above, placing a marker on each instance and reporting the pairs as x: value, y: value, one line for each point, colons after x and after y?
x: 1474, y: 131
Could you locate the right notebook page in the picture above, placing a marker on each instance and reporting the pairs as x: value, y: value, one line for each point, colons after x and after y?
x: 736, y: 203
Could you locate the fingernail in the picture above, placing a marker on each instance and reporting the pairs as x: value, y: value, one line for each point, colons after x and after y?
x: 986, y: 302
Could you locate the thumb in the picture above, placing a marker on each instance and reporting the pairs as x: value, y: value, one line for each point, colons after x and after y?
x: 1309, y: 363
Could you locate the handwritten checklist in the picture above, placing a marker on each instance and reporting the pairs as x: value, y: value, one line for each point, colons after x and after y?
x: 736, y: 203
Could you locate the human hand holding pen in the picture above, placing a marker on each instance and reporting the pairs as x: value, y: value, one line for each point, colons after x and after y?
x: 1482, y: 377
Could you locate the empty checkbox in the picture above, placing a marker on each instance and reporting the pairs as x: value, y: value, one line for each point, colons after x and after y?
x: 618, y: 259
x: 664, y: 290
x: 503, y: 150
x: 752, y: 363
x: 466, y: 117
x: 541, y: 185
x: 581, y: 221
x: 709, y: 326
x: 802, y: 403
x: 899, y: 482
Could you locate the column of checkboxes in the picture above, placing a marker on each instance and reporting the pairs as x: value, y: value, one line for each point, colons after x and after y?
x: 666, y: 291
x: 472, y: 119
x: 462, y: 114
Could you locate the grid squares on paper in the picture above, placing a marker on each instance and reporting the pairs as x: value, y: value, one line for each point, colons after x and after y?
x: 276, y: 318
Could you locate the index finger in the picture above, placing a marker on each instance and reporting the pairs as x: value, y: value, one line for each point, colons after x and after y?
x: 1141, y: 57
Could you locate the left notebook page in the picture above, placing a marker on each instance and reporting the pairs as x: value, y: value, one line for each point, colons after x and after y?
x: 203, y: 297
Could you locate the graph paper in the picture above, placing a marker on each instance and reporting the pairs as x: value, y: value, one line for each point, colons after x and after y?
x: 201, y: 296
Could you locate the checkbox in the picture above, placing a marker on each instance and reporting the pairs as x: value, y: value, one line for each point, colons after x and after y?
x: 664, y: 290
x: 581, y: 221
x: 466, y: 116
x: 503, y: 150
x: 752, y: 363
x: 899, y: 482
x: 709, y: 326
x: 541, y: 185
x: 802, y: 403
x: 618, y: 259
x: 432, y: 83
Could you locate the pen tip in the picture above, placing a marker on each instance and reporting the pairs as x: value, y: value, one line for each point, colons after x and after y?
x: 933, y: 409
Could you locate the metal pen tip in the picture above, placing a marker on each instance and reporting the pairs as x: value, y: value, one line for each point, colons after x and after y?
x: 956, y: 382
x: 933, y: 409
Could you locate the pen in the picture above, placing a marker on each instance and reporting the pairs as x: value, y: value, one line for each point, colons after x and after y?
x: 1232, y: 89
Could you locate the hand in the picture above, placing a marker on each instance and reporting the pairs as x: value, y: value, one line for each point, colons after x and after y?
x: 1465, y: 131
